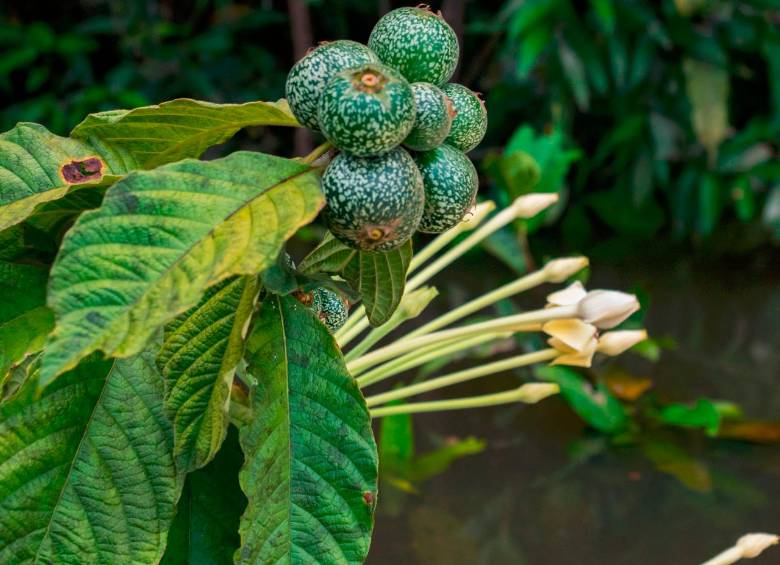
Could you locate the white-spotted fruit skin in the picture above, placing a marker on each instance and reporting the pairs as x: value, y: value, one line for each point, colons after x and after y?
x: 373, y: 203
x: 434, y: 117
x: 367, y: 110
x: 470, y: 122
x: 450, y: 182
x: 418, y: 43
x: 308, y: 77
x: 330, y: 308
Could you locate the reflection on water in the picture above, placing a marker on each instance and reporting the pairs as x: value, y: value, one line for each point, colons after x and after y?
x: 548, y: 490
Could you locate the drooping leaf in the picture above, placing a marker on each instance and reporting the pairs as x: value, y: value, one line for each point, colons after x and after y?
x: 86, y: 467
x: 175, y: 130
x: 311, y: 463
x: 205, y: 530
x: 198, y: 360
x: 160, y: 239
x: 37, y: 166
x: 597, y: 406
x: 379, y: 278
x: 25, y: 321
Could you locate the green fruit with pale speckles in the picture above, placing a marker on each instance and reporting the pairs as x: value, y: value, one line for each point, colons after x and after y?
x: 450, y: 182
x: 434, y: 117
x: 373, y: 203
x: 367, y: 110
x: 418, y: 43
x: 330, y: 308
x: 308, y: 77
x: 470, y: 122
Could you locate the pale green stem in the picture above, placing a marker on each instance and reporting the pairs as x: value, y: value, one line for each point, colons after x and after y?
x: 357, y: 315
x: 495, y: 223
x: 464, y: 375
x: 511, y: 396
x: 520, y: 285
x: 353, y: 332
x: 318, y: 152
x: 423, y: 355
x: 507, y: 323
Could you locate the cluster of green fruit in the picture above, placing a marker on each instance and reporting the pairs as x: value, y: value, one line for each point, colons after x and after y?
x: 368, y: 101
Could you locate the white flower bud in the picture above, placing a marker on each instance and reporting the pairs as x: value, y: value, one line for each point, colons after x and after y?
x: 569, y: 296
x: 606, y: 309
x: 752, y: 545
x: 529, y: 205
x: 558, y: 270
x: 615, y: 343
x: 534, y: 392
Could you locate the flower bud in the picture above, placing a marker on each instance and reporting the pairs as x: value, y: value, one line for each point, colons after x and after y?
x: 569, y: 296
x: 558, y: 270
x: 529, y: 205
x: 606, y: 309
x: 615, y: 343
x: 570, y: 356
x: 752, y: 545
x: 534, y: 392
x: 575, y: 333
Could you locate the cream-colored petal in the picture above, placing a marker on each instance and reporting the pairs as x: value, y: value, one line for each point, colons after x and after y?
x: 573, y: 332
x: 569, y: 296
x: 607, y: 308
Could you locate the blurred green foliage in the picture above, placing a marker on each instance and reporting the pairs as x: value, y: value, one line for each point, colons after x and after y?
x: 655, y: 120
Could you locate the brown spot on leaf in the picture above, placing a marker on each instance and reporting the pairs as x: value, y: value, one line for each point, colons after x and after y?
x: 86, y: 170
x: 368, y: 498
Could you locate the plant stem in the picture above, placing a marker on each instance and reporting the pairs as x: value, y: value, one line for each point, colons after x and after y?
x: 351, y: 333
x: 519, y: 394
x: 358, y: 314
x: 318, y: 152
x: 515, y: 287
x: 423, y: 355
x: 464, y: 375
x: 507, y: 323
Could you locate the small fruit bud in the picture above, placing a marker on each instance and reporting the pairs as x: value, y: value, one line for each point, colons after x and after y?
x: 558, y: 270
x: 530, y: 205
x: 606, y: 309
x: 615, y: 343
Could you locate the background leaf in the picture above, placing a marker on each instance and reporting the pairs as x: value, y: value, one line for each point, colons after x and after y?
x: 311, y: 462
x: 37, y: 166
x: 175, y: 130
x: 86, y: 468
x: 379, y: 278
x: 205, y: 530
x: 160, y: 239
x: 198, y: 360
x: 24, y: 319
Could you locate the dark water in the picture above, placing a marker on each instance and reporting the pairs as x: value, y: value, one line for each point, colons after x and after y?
x: 549, y: 490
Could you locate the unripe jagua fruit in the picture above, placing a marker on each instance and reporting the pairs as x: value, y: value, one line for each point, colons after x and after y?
x: 330, y: 308
x: 434, y: 117
x: 418, y: 43
x: 470, y: 122
x: 367, y: 110
x: 450, y: 182
x: 308, y: 77
x: 373, y: 203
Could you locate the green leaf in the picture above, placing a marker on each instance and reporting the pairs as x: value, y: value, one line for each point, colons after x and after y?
x: 379, y: 278
x: 205, y: 530
x: 198, y: 360
x: 311, y: 463
x: 598, y: 407
x: 37, y: 166
x: 705, y: 414
x: 396, y: 442
x: 175, y: 130
x: 24, y: 319
x: 160, y: 239
x: 86, y: 468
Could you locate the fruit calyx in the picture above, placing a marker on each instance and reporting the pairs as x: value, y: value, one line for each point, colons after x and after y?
x: 369, y: 80
x: 371, y: 236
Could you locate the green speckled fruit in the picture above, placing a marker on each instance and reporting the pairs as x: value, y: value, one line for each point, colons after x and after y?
x: 418, y: 43
x: 470, y: 122
x: 434, y: 117
x: 450, y: 182
x: 330, y: 308
x: 373, y: 203
x: 367, y: 110
x: 308, y: 77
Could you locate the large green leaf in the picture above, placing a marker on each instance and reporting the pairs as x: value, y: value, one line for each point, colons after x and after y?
x: 379, y: 278
x: 198, y: 359
x: 86, y: 467
x: 175, y: 130
x: 205, y: 530
x: 37, y: 166
x: 160, y: 239
x: 311, y: 462
x: 25, y: 321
